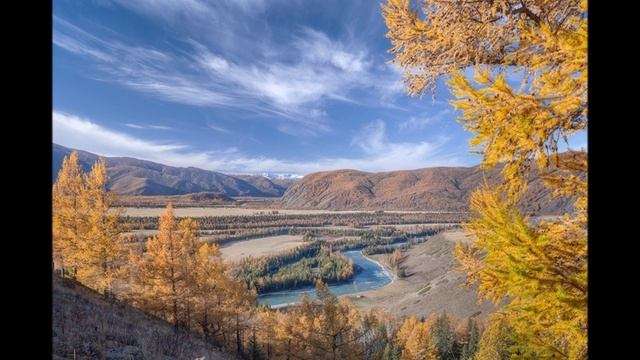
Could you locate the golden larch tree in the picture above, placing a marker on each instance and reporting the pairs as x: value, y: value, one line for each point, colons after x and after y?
x: 414, y: 337
x: 159, y: 273
x: 101, y: 252
x: 68, y: 214
x: 541, y: 267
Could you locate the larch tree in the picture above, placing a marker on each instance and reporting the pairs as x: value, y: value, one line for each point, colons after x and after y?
x: 496, y: 341
x: 541, y: 267
x: 336, y: 328
x: 68, y: 215
x: 208, y: 283
x: 160, y: 274
x: 101, y: 252
x: 414, y: 337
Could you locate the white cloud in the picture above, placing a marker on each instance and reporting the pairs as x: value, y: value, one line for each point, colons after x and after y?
x: 168, y: 9
x: 422, y: 121
x: 290, y: 82
x: 156, y: 127
x: 160, y: 127
x: 84, y: 134
x: 379, y: 154
x: 217, y: 128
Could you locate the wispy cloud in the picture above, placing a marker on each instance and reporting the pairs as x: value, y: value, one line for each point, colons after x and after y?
x: 290, y: 83
x: 156, y: 127
x: 423, y: 120
x: 160, y: 127
x: 85, y: 134
x: 377, y: 152
x: 217, y: 128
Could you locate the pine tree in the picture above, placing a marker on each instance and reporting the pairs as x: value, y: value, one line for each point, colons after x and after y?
x: 392, y: 352
x: 253, y: 349
x: 445, y: 338
x: 388, y: 352
x: 474, y: 338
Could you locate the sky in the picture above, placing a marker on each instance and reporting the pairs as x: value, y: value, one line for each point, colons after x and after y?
x: 245, y: 86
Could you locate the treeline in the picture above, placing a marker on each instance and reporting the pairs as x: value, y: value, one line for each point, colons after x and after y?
x: 382, y: 249
x: 294, y: 268
x: 311, y: 235
x: 370, y: 239
x: 251, y: 269
x: 353, y: 220
x: 330, y: 267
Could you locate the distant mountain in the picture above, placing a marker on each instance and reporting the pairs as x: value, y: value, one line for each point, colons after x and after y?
x: 129, y: 176
x: 282, y: 176
x: 437, y: 189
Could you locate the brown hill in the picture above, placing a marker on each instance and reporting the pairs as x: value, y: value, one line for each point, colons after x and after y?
x: 85, y: 326
x: 436, y: 189
x: 129, y: 176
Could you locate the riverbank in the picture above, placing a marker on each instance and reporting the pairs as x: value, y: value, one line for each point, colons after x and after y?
x: 372, y: 276
x: 431, y: 286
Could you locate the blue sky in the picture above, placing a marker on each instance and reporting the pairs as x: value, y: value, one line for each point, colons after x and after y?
x: 244, y: 86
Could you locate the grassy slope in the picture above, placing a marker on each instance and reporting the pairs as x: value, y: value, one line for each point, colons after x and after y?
x: 432, y: 286
x: 84, y: 323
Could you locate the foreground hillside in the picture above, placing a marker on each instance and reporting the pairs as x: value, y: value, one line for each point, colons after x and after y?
x: 431, y: 286
x: 85, y: 326
x: 438, y: 189
x: 129, y: 176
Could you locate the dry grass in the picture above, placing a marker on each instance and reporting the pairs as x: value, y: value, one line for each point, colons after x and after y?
x: 258, y: 247
x: 85, y: 326
x: 431, y: 286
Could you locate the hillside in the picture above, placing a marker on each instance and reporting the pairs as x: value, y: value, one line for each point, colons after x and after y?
x: 129, y: 176
x: 85, y: 326
x: 432, y: 286
x: 438, y: 188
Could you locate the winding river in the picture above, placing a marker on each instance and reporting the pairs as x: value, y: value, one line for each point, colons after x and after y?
x: 372, y: 276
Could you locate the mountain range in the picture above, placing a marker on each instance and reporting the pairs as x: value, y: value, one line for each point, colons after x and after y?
x: 129, y: 176
x: 437, y: 188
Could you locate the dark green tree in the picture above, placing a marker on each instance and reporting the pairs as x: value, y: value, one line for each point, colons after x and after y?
x: 445, y: 338
x: 392, y: 352
x: 254, y: 352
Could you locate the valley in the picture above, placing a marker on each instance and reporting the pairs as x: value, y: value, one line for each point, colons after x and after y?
x: 253, y: 237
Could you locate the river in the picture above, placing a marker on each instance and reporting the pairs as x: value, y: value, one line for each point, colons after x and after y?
x: 372, y: 276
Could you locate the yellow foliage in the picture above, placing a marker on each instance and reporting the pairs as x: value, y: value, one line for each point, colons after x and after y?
x: 86, y: 236
x: 415, y: 339
x: 541, y: 268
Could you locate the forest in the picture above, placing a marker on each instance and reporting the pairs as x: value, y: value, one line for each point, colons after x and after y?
x: 539, y: 270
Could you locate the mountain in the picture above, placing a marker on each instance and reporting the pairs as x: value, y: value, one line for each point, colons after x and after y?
x: 129, y: 176
x: 438, y: 189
